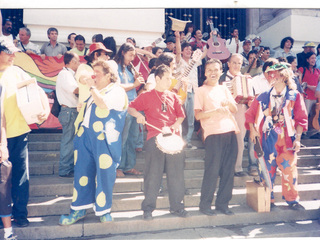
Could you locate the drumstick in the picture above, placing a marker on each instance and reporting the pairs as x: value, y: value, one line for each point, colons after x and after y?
x: 164, y: 134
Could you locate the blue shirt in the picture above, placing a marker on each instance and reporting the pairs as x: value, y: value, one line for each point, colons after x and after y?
x: 127, y: 77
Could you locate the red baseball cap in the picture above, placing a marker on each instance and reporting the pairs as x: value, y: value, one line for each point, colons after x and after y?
x: 97, y: 46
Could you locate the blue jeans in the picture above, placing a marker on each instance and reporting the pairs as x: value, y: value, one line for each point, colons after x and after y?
x: 140, y: 141
x: 18, y: 156
x: 67, y: 117
x: 129, y: 142
x: 189, y: 107
x: 140, y: 136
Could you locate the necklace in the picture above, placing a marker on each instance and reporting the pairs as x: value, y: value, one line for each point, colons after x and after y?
x: 164, y: 106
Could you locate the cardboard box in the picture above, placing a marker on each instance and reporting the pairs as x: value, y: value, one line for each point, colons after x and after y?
x: 29, y: 100
x: 258, y: 197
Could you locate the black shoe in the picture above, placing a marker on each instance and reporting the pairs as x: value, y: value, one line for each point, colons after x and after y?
x: 296, y: 206
x: 225, y: 211
x: 272, y: 205
x: 21, y: 221
x: 68, y: 175
x: 180, y: 213
x: 147, y: 215
x: 240, y: 174
x: 208, y: 212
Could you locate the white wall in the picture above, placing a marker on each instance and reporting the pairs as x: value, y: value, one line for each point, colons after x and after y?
x: 142, y: 24
x: 301, y: 28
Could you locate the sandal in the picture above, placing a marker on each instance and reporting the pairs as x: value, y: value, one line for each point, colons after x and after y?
x: 120, y: 174
x: 133, y: 172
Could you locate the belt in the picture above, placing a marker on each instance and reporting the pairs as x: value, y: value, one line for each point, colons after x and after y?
x: 65, y: 106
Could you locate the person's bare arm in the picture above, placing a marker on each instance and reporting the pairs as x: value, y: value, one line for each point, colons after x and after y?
x: 178, y: 46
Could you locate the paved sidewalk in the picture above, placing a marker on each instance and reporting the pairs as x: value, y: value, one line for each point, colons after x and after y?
x: 295, y: 230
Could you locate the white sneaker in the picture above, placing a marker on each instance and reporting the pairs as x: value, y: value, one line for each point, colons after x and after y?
x: 11, y: 237
x: 190, y: 146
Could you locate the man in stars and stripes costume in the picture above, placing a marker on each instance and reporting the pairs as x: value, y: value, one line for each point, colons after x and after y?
x: 278, y: 117
x: 97, y: 145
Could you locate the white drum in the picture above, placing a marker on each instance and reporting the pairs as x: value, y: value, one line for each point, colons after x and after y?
x: 172, y: 144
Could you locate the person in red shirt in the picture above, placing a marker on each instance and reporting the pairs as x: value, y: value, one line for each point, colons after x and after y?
x: 162, y: 108
x: 310, y: 77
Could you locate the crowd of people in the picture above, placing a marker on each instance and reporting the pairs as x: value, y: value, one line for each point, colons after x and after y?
x: 107, y: 102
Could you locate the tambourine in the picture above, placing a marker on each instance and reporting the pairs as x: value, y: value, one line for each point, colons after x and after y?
x: 168, y: 143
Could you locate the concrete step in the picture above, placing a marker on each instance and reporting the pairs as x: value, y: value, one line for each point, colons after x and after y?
x: 47, y: 162
x: 44, y: 146
x: 44, y: 156
x: 48, y: 185
x: 54, y: 147
x: 131, y: 222
x: 45, y: 137
x: 193, y: 179
x: 131, y: 201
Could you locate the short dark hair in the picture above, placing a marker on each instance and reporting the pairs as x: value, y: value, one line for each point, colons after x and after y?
x: 165, y: 58
x: 155, y: 49
x: 69, y: 36
x: 184, y: 45
x: 194, y: 32
x: 266, y: 48
x: 290, y: 59
x: 252, y: 52
x: 68, y: 56
x: 52, y: 29
x: 98, y: 37
x: 212, y: 61
x: 152, y: 63
x: 80, y: 38
x: 283, y: 41
x: 161, y: 70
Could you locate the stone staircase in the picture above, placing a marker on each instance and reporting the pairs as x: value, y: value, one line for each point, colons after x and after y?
x: 50, y: 196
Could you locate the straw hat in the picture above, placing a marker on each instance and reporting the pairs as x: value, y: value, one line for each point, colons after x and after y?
x: 178, y: 25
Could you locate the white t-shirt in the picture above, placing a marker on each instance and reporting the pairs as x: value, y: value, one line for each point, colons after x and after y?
x: 151, y: 81
x: 232, y: 45
x: 114, y: 99
x: 192, y: 76
x: 260, y: 84
x: 65, y: 85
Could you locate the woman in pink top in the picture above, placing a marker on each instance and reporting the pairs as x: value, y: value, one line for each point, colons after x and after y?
x: 310, y: 75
